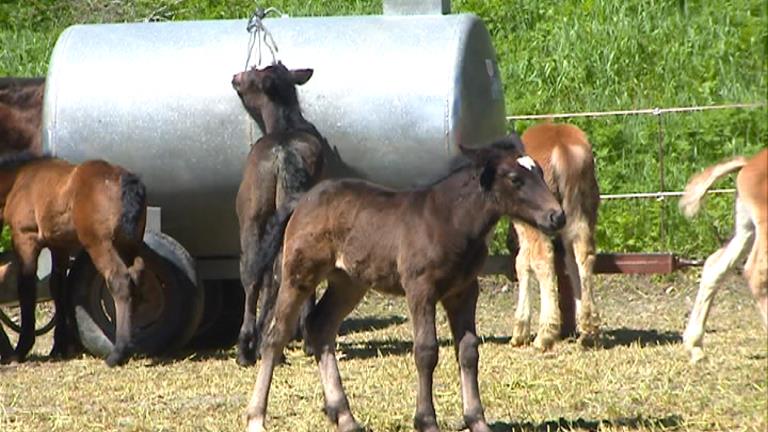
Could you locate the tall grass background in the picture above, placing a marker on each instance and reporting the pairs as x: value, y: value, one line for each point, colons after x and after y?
x: 554, y: 56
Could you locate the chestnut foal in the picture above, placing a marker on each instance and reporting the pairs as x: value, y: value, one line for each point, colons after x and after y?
x: 427, y: 244
x: 565, y: 156
x: 751, y: 234
x: 48, y: 202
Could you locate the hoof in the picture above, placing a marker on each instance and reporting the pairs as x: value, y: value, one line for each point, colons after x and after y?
x: 255, y: 426
x: 547, y: 336
x: 543, y: 343
x: 9, y: 358
x: 697, y: 355
x: 521, y: 334
x: 116, y: 359
x: 246, y: 360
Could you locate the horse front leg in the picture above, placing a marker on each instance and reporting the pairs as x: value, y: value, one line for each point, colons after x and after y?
x: 247, y: 341
x: 715, y: 268
x: 425, y: 351
x: 542, y: 261
x: 461, y: 316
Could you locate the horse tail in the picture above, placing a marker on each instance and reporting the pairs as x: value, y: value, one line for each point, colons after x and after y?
x: 700, y: 183
x: 573, y: 170
x: 134, y: 200
x: 272, y: 240
x: 295, y: 179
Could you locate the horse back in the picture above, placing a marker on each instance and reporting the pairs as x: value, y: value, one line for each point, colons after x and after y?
x: 752, y: 184
x: 352, y: 225
x: 21, y: 107
x: 107, y: 200
x: 565, y: 155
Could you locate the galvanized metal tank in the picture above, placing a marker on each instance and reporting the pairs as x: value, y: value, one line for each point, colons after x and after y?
x: 395, y: 95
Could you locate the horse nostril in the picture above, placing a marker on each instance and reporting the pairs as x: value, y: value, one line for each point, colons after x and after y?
x: 236, y: 80
x: 557, y: 218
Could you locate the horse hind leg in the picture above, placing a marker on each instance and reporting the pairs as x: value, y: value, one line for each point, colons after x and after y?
x: 247, y: 341
x: 583, y: 253
x: 27, y: 251
x: 62, y: 333
x: 714, y: 270
x: 323, y: 324
x: 276, y: 337
x: 756, y: 271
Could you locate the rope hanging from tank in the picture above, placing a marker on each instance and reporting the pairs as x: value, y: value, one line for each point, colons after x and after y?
x: 259, y: 33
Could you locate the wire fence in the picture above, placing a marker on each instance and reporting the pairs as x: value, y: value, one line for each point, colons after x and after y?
x: 662, y: 194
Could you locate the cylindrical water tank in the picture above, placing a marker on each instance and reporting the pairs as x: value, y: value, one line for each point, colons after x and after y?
x: 395, y: 95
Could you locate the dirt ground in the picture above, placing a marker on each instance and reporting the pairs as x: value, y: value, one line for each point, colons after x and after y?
x: 640, y: 380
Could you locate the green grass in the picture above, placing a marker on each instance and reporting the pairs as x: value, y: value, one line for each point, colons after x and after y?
x: 640, y: 381
x: 555, y: 56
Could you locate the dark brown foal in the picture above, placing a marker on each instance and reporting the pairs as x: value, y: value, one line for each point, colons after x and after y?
x: 51, y: 203
x: 426, y: 244
x: 21, y: 111
x: 284, y: 163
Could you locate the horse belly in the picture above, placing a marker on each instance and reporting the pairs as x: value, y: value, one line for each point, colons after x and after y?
x: 56, y: 228
x: 383, y: 277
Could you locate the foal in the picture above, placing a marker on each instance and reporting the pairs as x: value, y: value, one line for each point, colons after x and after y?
x: 751, y: 233
x: 285, y: 162
x: 51, y: 203
x: 565, y: 156
x: 21, y: 110
x: 426, y: 244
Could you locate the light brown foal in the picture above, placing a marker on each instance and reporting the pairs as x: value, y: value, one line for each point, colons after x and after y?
x: 565, y: 156
x: 750, y: 236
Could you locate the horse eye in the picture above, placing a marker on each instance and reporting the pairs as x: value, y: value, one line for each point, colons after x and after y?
x: 515, y: 179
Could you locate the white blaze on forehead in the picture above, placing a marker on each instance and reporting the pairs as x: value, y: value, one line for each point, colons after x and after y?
x: 527, y: 162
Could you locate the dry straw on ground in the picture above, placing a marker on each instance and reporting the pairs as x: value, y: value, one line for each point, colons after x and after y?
x: 641, y: 380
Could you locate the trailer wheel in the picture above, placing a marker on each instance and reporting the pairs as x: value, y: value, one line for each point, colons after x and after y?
x: 222, y: 316
x: 167, y: 307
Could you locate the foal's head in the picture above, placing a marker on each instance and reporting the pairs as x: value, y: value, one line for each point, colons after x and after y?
x: 516, y: 183
x: 274, y: 84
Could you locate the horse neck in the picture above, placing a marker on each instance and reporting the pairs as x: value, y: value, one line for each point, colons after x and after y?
x: 469, y: 208
x: 280, y: 118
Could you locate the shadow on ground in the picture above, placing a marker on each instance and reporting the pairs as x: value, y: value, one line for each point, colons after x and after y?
x: 637, y: 422
x: 356, y: 325
x: 380, y: 348
x: 625, y: 337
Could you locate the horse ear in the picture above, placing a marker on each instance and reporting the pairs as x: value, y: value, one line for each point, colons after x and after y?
x: 514, y: 138
x: 482, y: 157
x: 475, y: 155
x: 488, y: 176
x: 301, y: 76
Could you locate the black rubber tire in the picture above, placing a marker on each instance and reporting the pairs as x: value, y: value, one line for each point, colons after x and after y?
x: 169, y: 267
x: 222, y: 316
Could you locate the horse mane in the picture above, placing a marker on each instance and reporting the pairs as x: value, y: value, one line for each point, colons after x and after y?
x: 461, y: 162
x: 18, y: 159
x: 6, y: 82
